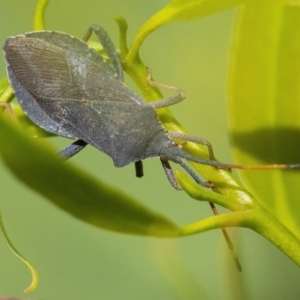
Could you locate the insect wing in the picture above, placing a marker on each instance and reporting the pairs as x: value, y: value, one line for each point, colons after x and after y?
x: 26, y: 99
x: 79, y: 91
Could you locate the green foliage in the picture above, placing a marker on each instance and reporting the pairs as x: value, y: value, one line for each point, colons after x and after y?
x: 264, y: 102
x: 263, y: 117
x: 89, y: 200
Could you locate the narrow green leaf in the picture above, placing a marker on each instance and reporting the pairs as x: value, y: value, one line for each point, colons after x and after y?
x: 89, y: 200
x: 33, y: 272
x: 178, y: 10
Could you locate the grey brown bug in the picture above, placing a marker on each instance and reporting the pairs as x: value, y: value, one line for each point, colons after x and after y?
x: 69, y: 90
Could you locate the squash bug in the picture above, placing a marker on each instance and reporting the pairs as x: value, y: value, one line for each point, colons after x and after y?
x: 68, y: 89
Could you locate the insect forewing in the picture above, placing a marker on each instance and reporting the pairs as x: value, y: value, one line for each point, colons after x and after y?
x: 81, y: 93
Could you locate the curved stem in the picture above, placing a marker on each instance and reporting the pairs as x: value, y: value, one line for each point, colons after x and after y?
x: 264, y: 223
x: 39, y: 20
x: 34, y: 274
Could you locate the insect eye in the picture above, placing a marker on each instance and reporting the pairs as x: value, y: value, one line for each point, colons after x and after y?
x: 175, y: 144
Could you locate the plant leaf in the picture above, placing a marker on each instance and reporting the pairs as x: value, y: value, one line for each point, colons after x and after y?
x: 178, y: 10
x: 32, y: 270
x: 89, y: 200
x: 264, y: 105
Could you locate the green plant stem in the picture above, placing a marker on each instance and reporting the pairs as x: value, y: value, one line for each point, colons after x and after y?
x: 39, y: 20
x: 264, y: 223
x: 258, y: 219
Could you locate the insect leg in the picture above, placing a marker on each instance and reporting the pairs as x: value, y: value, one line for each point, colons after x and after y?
x: 193, y: 139
x: 178, y: 160
x: 170, y: 175
x: 72, y: 149
x: 226, y: 166
x: 108, y: 47
x: 209, y: 185
x: 9, y: 109
x: 168, y: 101
x: 139, y: 172
x: 173, y: 100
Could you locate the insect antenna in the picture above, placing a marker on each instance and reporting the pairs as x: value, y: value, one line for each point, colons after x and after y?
x: 213, y: 163
x: 228, y: 240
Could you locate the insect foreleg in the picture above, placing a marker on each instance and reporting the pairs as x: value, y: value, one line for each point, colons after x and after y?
x: 108, y: 47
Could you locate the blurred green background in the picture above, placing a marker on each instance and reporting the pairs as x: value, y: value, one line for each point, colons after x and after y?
x: 76, y: 261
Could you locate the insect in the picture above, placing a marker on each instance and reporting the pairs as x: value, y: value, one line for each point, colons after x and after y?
x: 69, y: 90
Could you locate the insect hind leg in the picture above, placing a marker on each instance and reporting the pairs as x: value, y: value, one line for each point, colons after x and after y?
x: 108, y: 47
x: 170, y: 174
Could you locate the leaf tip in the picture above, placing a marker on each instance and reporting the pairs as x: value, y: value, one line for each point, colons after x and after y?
x: 34, y: 279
